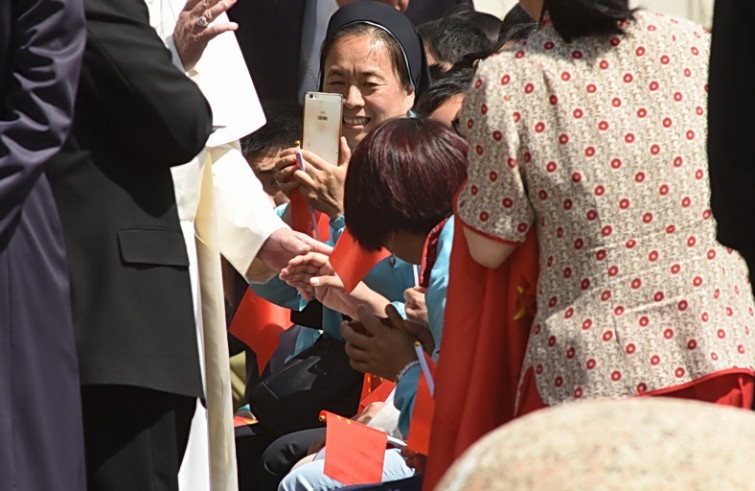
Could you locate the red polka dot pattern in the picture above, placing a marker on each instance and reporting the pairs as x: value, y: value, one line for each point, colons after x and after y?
x: 601, y: 145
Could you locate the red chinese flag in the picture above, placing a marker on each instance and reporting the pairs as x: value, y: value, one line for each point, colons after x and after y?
x: 259, y: 324
x: 420, y: 426
x: 354, y: 453
x: 302, y: 221
x: 488, y: 318
x: 241, y: 421
x: 352, y: 262
x: 374, y: 389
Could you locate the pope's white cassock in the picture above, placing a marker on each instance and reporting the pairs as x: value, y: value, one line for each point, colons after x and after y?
x: 223, y: 210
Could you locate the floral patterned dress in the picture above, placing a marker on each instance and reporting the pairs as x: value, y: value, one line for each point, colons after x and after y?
x: 600, y: 144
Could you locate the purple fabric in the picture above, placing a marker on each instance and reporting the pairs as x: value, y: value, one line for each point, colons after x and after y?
x: 41, y: 42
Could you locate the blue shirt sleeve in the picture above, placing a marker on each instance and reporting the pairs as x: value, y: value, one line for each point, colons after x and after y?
x: 435, y: 298
x: 406, y: 391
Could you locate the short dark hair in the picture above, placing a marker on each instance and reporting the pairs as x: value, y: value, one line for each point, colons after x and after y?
x: 449, y: 39
x: 402, y: 176
x: 488, y: 23
x: 456, y: 81
x: 573, y: 19
x: 282, y: 130
x: 437, y: 72
x: 394, y: 49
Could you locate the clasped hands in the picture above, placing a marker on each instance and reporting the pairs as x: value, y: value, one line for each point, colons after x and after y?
x: 375, y: 344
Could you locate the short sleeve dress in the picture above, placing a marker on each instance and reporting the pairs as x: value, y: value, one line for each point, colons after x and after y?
x: 600, y: 145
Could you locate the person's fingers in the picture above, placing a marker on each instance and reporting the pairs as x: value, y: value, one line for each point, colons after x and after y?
x: 300, y: 277
x: 300, y: 283
x: 414, y: 292
x: 305, y: 180
x: 286, y: 161
x: 202, y: 6
x: 422, y: 333
x: 210, y: 33
x: 371, y: 322
x: 411, y: 296
x: 356, y: 342
x: 344, y: 153
x: 312, y: 258
x: 218, y: 8
x: 394, y: 318
x: 288, y: 153
x: 315, y: 246
x: 315, y: 160
x: 190, y: 4
x: 329, y: 281
x: 285, y: 177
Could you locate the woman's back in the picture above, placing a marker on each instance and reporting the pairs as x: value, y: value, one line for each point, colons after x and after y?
x: 601, y: 143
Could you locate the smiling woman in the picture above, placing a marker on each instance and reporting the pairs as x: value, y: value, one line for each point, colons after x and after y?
x: 373, y: 56
x: 362, y: 66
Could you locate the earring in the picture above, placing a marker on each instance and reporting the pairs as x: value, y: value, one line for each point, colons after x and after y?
x: 392, y: 257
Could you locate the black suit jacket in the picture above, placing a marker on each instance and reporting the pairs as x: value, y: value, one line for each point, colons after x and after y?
x: 731, y: 117
x: 136, y: 116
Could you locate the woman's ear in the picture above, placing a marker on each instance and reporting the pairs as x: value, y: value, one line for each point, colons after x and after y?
x: 409, y: 99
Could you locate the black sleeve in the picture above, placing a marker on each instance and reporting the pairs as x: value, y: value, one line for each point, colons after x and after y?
x: 153, y: 109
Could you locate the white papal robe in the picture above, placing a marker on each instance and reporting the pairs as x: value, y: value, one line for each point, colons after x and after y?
x: 222, y: 211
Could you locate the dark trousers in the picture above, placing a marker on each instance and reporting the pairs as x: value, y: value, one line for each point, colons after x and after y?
x: 282, y: 454
x: 135, y: 438
x: 251, y: 441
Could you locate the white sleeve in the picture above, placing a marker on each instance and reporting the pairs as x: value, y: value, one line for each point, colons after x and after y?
x: 245, y: 218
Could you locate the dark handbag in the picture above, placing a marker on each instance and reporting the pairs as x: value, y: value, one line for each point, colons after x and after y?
x: 318, y: 378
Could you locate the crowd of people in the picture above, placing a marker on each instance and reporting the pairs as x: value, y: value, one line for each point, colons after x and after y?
x: 529, y: 196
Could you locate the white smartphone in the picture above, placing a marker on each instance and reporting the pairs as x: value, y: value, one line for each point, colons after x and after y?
x: 322, y: 124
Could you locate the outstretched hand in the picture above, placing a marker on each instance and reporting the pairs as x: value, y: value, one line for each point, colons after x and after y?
x: 191, y: 36
x: 285, y: 244
x: 314, y: 277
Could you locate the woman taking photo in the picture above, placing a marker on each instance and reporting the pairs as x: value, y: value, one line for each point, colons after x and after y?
x: 373, y: 57
x: 594, y: 132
